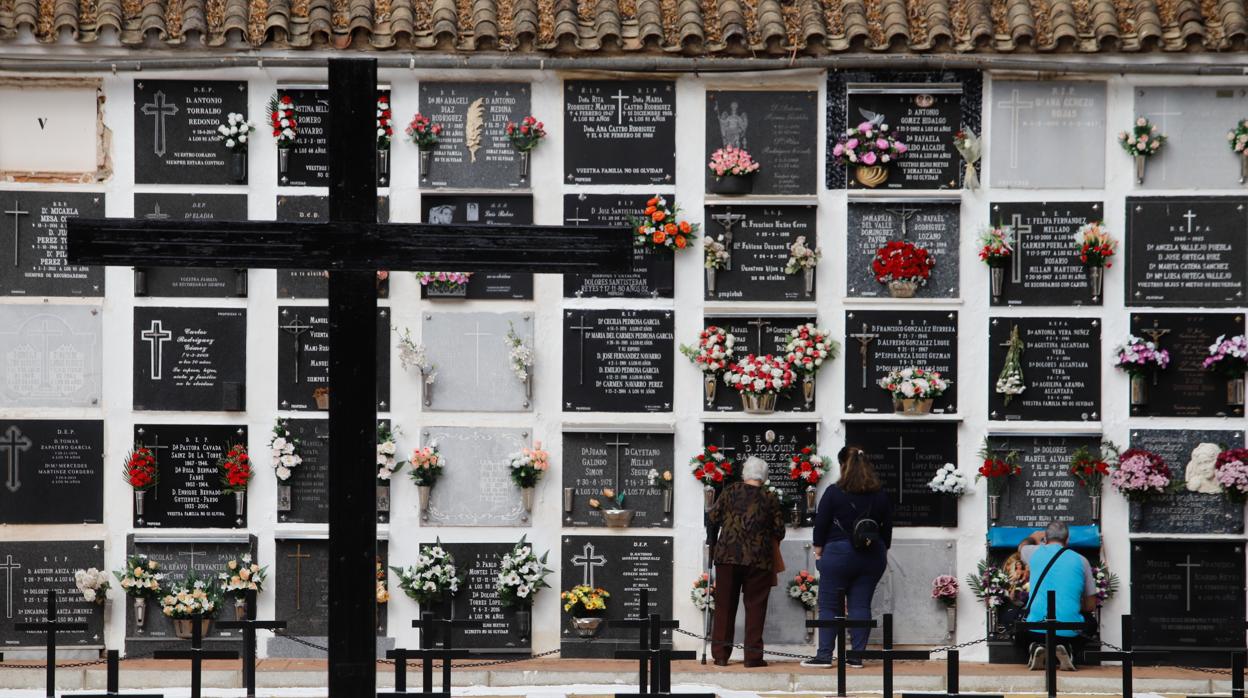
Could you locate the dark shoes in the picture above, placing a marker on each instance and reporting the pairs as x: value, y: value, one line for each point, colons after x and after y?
x: 817, y: 663
x: 853, y: 663
x: 756, y: 664
x: 721, y: 662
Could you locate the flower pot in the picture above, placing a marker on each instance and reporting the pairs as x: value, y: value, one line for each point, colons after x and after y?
x: 429, y: 389
x: 1140, y: 161
x: 426, y: 159
x: 998, y: 282
x: 1235, y: 392
x: 585, y: 627
x: 139, y: 496
x: 755, y: 403
x: 1096, y: 281
x: 322, y: 399
x: 708, y: 497
x: 525, y: 158
x: 284, y: 498
x: 811, y: 614
x: 710, y: 382
x: 808, y: 388
x: 871, y: 176
x: 383, y: 165
x: 913, y: 407
x: 1139, y: 390
x: 524, y: 623
x: 811, y: 500
x: 526, y: 501
x: 992, y: 621
x: 951, y: 620
x: 184, y: 628
x: 240, y: 608
x: 568, y: 495
x: 795, y: 516
x: 140, y: 612
x: 617, y: 518
x: 383, y: 498
x: 452, y: 291
x: 240, y: 506
x: 283, y: 165
x: 994, y: 507
x: 238, y: 166
x: 667, y: 500
x: 808, y: 278
x: 1096, y: 507
x: 902, y: 289
x: 732, y: 185
x: 422, y: 493
x: 710, y: 281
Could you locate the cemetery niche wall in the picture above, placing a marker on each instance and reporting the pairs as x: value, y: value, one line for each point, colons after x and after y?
x: 32, y: 569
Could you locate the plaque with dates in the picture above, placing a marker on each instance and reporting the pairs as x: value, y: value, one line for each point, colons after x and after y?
x: 924, y: 117
x: 34, y: 261
x: 1061, y: 365
x: 617, y: 360
x: 879, y: 341
x: 906, y: 456
x: 175, y: 130
x: 190, y: 282
x: 484, y: 209
x: 1187, y: 252
x: 473, y: 151
x: 777, y: 128
x: 757, y: 240
x: 933, y: 225
x: 759, y: 335
x: 653, y: 274
x: 188, y: 492
x: 619, y: 132
x: 1185, y: 388
x: 1045, y: 268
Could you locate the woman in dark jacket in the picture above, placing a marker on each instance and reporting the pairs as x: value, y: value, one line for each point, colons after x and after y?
x: 856, y: 496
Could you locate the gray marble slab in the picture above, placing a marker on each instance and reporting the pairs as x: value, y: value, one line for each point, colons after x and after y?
x: 51, y: 356
x: 1037, y: 126
x: 471, y: 359
x: 475, y: 488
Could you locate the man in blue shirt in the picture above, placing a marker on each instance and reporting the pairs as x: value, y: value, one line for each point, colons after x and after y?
x: 1070, y: 577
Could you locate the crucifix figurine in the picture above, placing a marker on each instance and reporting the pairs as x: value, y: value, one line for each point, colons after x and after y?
x: 727, y: 220
x: 1155, y: 333
x: 296, y: 328
x: 864, y: 343
x: 904, y: 215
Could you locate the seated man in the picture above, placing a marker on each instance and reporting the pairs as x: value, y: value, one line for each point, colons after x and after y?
x: 1070, y: 577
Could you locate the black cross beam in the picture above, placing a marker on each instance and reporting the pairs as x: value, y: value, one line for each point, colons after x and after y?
x: 1050, y: 625
x: 654, y: 661
x: 951, y: 681
x: 50, y: 626
x: 197, y: 654
x: 888, y: 654
x: 1237, y: 673
x: 841, y: 623
x: 352, y: 246
x: 249, y: 628
x: 430, y: 629
x: 1127, y: 656
x: 113, y: 686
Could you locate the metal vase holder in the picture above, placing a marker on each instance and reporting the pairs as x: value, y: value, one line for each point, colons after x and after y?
x: 283, y: 165
x: 423, y: 492
x: 383, y: 165
x: 524, y: 623
x: 238, y: 166
x: 708, y: 497
x: 1139, y: 390
x: 426, y: 160
x: 1096, y: 281
x: 1235, y: 392
x: 429, y: 377
x: 284, y: 498
x: 951, y: 620
x: 808, y: 388
x: 710, y: 281
x: 1243, y: 169
x: 383, y: 498
x: 808, y: 280
x: 525, y: 159
x: 240, y: 608
x: 526, y: 501
x: 240, y: 506
x: 811, y: 614
x: 811, y: 500
x: 1140, y: 163
x: 528, y: 385
x: 994, y: 506
x: 998, y: 282
x: 710, y: 382
x: 139, y: 496
x: 568, y: 497
x: 667, y: 500
x: 1096, y: 507
x: 140, y: 612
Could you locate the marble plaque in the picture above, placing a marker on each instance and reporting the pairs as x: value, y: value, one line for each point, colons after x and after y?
x: 1035, y: 128
x: 190, y: 359
x: 880, y: 341
x: 1045, y: 267
x: 786, y: 616
x: 314, y: 283
x: 1045, y: 491
x: 476, y: 488
x: 619, y: 132
x: 471, y: 359
x: 1186, y: 252
x: 1185, y: 510
x: 188, y: 491
x: 906, y: 591
x: 473, y: 150
x: 906, y: 456
x: 759, y: 336
x: 1185, y: 388
x: 28, y: 569
x: 175, y: 130
x: 190, y: 282
x: 775, y: 443
x: 1061, y: 366
x: 777, y: 128
x: 594, y: 461
x: 303, y: 358
x: 51, y: 355
x: 933, y: 226
x: 757, y: 239
x: 1195, y: 121
x: 623, y: 565
x: 653, y: 272
x: 52, y: 471
x: 924, y: 117
x: 309, y: 483
x: 617, y: 360
x: 33, y: 223
x: 302, y: 577
x: 478, y: 600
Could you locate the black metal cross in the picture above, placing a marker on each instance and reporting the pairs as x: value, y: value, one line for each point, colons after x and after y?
x: 1127, y: 656
x: 352, y: 246
x: 197, y: 654
x: 50, y: 626
x: 249, y: 628
x: 888, y: 654
x: 951, y: 682
x: 113, y: 686
x: 840, y: 623
x: 1050, y: 625
x: 654, y: 669
x: 430, y: 628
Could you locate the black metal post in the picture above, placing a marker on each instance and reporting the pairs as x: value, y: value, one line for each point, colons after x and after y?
x: 1237, y: 675
x: 1128, y: 656
x: 1050, y: 625
x: 952, y: 658
x: 841, y: 623
x: 428, y: 652
x: 249, y: 628
x: 889, y: 655
x: 197, y: 654
x: 50, y: 625
x: 113, y: 685
x: 654, y: 661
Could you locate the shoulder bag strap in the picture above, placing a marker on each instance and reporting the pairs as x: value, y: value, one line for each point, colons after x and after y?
x: 1040, y: 580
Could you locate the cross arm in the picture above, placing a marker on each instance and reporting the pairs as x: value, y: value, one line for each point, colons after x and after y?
x: 194, y: 654
x: 643, y: 623
x: 674, y: 655
x: 439, y: 623
x: 257, y: 624
x: 59, y: 626
x: 676, y: 695
x: 1052, y: 625
x: 840, y: 622
x: 1105, y: 655
x: 951, y: 695
x: 436, y: 653
x: 894, y: 655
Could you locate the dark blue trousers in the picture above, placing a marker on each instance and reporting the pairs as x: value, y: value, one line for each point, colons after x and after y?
x: 842, y: 567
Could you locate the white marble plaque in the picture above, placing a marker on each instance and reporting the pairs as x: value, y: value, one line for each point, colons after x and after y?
x: 472, y: 361
x: 786, y: 617
x: 50, y: 355
x: 1195, y: 121
x: 906, y: 591
x: 475, y: 488
x: 1038, y: 127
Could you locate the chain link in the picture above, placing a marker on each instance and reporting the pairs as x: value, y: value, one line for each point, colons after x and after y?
x: 776, y: 653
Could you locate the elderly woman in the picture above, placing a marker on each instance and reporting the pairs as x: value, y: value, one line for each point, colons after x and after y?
x: 751, y: 525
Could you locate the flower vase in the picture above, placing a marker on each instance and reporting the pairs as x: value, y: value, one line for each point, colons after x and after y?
x: 284, y: 497
x: 617, y: 518
x: 795, y: 516
x: 1096, y: 281
x: 140, y: 612
x: 383, y: 165
x: 1140, y: 161
x: 708, y: 497
x: 528, y: 386
x: 902, y: 289
x: 998, y: 282
x: 758, y: 403
x: 710, y: 281
x: 568, y: 497
x: 585, y: 627
x: 383, y: 498
x: 994, y: 507
x: 422, y: 493
x: 1243, y: 169
x: 1096, y: 507
x: 526, y: 501
x: 1235, y: 392
x: 811, y: 614
x: 426, y: 159
x: 184, y: 628
x: 139, y: 496
x: 1139, y: 390
x: 240, y: 608
x: 732, y: 185
x: 667, y: 500
x: 524, y: 623
x: 283, y: 165
x: 525, y: 158
x: 951, y: 620
x: 871, y: 176
x: 710, y: 382
x: 428, y: 389
x: 811, y: 500
x: 992, y: 621
x: 240, y: 506
x: 321, y: 396
x: 913, y: 407
x: 808, y: 278
x: 808, y: 388
x: 451, y: 291
x: 238, y: 166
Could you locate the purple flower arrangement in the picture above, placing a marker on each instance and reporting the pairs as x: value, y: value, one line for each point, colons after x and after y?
x: 945, y: 589
x: 1106, y: 583
x: 1137, y: 356
x: 869, y: 144
x: 1232, y: 473
x: 445, y: 280
x: 1140, y: 474
x: 1228, y: 355
x: 991, y: 585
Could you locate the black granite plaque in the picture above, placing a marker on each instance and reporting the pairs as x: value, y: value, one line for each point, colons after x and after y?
x: 618, y: 360
x: 623, y: 565
x: 190, y: 282
x: 1186, y: 251
x: 758, y: 240
x: 313, y: 283
x: 777, y: 128
x: 906, y: 456
x: 1061, y: 369
x: 879, y: 341
x: 934, y: 226
x: 1186, y: 597
x: 1045, y: 267
x: 178, y: 558
x: 1045, y: 491
x: 303, y: 358
x: 593, y: 461
x: 757, y: 335
x: 477, y: 565
x: 307, y: 162
x: 473, y: 150
x: 33, y: 262
x: 1185, y: 388
x: 924, y: 117
x: 190, y: 359
x: 653, y: 274
x: 619, y: 132
x: 52, y: 471
x: 302, y: 581
x: 505, y: 209
x: 309, y: 481
x: 175, y: 130
x: 1182, y: 510
x: 188, y: 490
x: 776, y: 443
x: 28, y: 571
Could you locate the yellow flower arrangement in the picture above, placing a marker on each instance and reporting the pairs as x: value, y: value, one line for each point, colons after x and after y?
x: 590, y: 599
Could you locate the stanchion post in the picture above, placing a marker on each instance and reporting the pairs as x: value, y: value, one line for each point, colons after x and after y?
x: 249, y: 626
x: 841, y: 623
x: 197, y: 654
x: 113, y: 681
x: 50, y: 625
x: 889, y: 655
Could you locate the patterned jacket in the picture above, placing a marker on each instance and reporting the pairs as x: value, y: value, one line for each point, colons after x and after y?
x: 751, y: 522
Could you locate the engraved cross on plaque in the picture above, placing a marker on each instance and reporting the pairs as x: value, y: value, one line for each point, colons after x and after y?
x: 759, y: 324
x: 581, y: 350
x: 727, y: 221
x: 1016, y: 259
x: 476, y: 349
x: 156, y: 336
x: 158, y: 109
x: 901, y: 449
x: 864, y: 349
x: 156, y: 214
x: 1163, y: 125
x: 1189, y: 217
x: 619, y: 483
x: 1187, y: 569
x: 576, y: 218
x: 587, y: 561
x: 619, y: 98
x: 14, y: 444
x: 192, y: 554
x: 9, y: 567
x: 299, y: 556
x: 904, y: 215
x: 1015, y: 106
x: 16, y: 212
x: 296, y: 328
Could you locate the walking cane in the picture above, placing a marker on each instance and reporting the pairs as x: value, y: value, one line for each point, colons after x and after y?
x: 708, y: 563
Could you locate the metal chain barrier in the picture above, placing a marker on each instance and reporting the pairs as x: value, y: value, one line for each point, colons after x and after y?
x: 776, y: 653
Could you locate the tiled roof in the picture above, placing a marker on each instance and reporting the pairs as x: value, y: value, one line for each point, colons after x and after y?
x: 611, y: 27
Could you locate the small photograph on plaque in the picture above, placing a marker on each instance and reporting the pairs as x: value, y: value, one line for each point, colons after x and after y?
x: 484, y: 209
x: 619, y: 132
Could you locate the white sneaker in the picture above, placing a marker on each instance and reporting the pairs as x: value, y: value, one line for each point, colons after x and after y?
x: 815, y: 662
x: 1064, y: 661
x: 1038, y: 654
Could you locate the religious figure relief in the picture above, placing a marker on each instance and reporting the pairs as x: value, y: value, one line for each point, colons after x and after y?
x: 732, y: 127
x: 871, y: 117
x: 1201, y: 470
x: 441, y: 215
x: 474, y: 126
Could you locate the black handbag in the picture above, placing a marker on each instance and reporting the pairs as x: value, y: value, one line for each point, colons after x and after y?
x: 1022, y: 636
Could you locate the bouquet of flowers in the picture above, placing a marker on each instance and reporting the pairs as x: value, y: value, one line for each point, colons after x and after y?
x: 1106, y: 583
x: 93, y: 584
x: 423, y: 132
x: 140, y: 578
x: 759, y: 375
x: 141, y: 471
x: 235, y: 469
x: 282, y: 119
x: 1232, y: 473
x: 241, y: 576
x: 1089, y: 470
x: 426, y: 466
x: 731, y: 161
x: 809, y: 347
x: 385, y: 129
x: 528, y: 465
x: 284, y: 448
x: 1228, y: 355
x: 443, y: 280
x: 1137, y: 356
x: 521, y: 574
x: 713, y: 352
x: 807, y: 467
x: 235, y: 132
x: 1142, y: 140
x: 801, y: 257
x: 387, y: 463
x: 1140, y: 474
x: 778, y: 493
x: 968, y: 146
x: 662, y: 480
x: 804, y: 589
x: 525, y: 135
x: 1238, y: 138
x: 945, y: 589
x: 1010, y: 380
x: 703, y: 593
x: 190, y: 597
x: 991, y: 585
x: 868, y: 144
x: 997, y: 469
x: 383, y: 594
x: 948, y: 480
x: 710, y: 467
x: 432, y: 576
x: 996, y: 244
x: 914, y: 384
x: 900, y: 261
x: 661, y: 227
x: 412, y: 355
x: 614, y: 500
x: 715, y: 255
x: 584, y: 600
x: 520, y: 354
x: 1095, y: 245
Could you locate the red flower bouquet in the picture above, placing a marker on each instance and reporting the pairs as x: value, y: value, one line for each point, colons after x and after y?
x: 235, y: 469
x: 905, y: 262
x: 660, y: 226
x: 282, y: 119
x: 385, y: 128
x: 1089, y: 469
x: 141, y: 470
x: 807, y: 467
x: 711, y: 467
x: 997, y: 469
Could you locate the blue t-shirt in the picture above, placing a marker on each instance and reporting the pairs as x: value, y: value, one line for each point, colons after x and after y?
x: 1070, y: 578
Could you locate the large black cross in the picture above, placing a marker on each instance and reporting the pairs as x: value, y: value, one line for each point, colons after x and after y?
x: 113, y: 681
x: 430, y: 628
x: 197, y: 654
x: 654, y: 660
x: 951, y: 682
x: 50, y: 626
x: 1128, y: 657
x: 249, y: 626
x: 352, y: 246
x: 1049, y: 626
x: 888, y: 654
x: 840, y: 623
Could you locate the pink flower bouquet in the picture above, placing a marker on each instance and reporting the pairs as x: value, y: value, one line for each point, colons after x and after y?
x: 868, y: 144
x: 1232, y: 473
x: 1138, y: 356
x: 732, y: 162
x: 945, y: 589
x: 1140, y: 474
x: 1228, y: 355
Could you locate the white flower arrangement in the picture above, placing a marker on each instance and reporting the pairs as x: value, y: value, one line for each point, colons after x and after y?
x: 284, y: 448
x: 521, y: 574
x: 93, y: 584
x: 412, y: 355
x: 241, y: 576
x: 914, y: 383
x: 235, y: 132
x: 703, y: 593
x: 715, y: 254
x: 801, y: 257
x: 387, y: 462
x: 189, y: 597
x: 948, y: 480
x: 141, y: 577
x: 521, y: 354
x: 432, y: 576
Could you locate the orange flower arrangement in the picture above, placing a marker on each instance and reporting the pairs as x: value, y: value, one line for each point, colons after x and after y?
x: 660, y: 226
